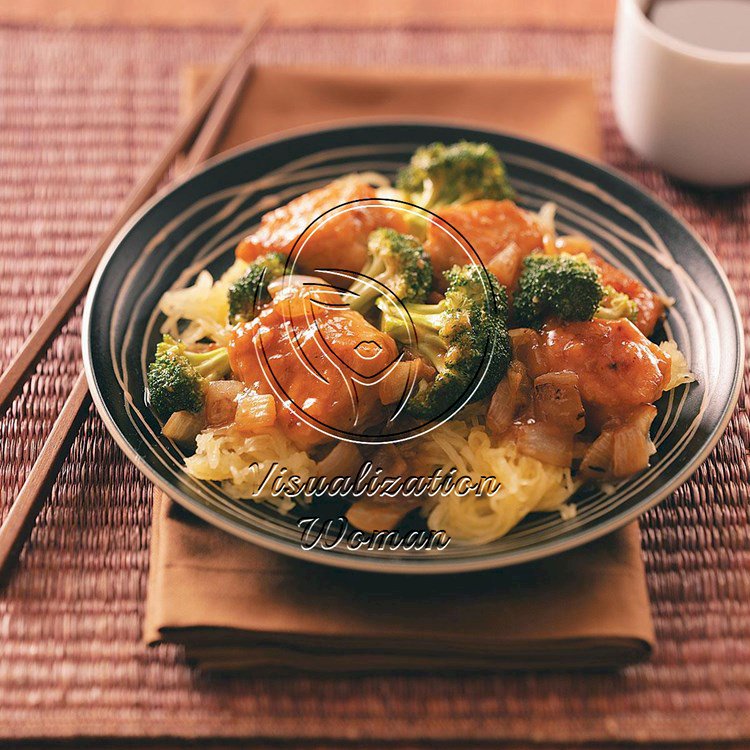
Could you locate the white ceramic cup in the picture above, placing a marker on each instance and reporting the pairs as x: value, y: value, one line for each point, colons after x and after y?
x: 683, y: 107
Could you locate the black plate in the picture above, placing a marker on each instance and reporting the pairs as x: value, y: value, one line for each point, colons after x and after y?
x: 198, y: 223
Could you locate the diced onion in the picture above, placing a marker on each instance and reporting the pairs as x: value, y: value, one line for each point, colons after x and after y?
x: 632, y: 446
x: 389, y: 459
x: 679, y: 372
x: 393, y: 387
x: 220, y: 402
x: 558, y: 401
x: 501, y: 410
x: 546, y: 222
x: 622, y: 449
x: 255, y: 412
x: 518, y: 379
x: 597, y: 460
x: 545, y: 442
x: 506, y: 265
x: 183, y: 426
x: 580, y: 447
x: 401, y: 379
x: 344, y: 460
x: 507, y: 399
x: 527, y: 349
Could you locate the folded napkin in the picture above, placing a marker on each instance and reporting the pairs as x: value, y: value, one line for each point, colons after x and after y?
x: 559, y: 110
x: 239, y: 607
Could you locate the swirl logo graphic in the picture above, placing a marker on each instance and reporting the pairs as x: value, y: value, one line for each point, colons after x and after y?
x: 341, y: 348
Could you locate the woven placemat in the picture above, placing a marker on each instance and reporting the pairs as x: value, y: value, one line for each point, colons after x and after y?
x: 81, y: 112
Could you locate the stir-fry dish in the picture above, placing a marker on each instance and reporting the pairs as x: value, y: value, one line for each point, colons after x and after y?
x: 426, y: 328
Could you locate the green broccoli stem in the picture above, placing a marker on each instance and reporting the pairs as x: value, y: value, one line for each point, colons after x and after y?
x: 362, y: 293
x: 210, y: 365
x: 427, y: 321
x: 395, y: 327
x: 397, y: 263
x: 362, y: 296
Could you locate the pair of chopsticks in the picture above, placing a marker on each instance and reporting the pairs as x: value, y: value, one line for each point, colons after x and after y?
x: 199, y: 131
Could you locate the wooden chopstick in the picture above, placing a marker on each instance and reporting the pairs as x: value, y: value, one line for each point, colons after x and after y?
x: 221, y: 100
x: 184, y: 134
x: 208, y: 138
x: 28, y: 501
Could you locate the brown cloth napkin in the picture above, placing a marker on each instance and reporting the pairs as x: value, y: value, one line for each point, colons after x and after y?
x: 239, y: 607
x: 559, y: 110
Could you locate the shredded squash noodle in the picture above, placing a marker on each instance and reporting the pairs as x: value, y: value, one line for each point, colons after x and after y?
x: 202, y: 306
x: 680, y: 373
x: 242, y: 464
x: 526, y: 485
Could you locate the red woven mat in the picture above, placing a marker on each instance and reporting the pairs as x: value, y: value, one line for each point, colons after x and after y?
x: 81, y: 112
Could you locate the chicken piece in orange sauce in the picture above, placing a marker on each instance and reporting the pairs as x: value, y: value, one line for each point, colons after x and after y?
x: 618, y: 368
x: 489, y: 226
x: 337, y: 241
x: 323, y: 358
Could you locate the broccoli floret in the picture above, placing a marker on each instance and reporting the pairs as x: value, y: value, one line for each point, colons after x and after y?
x: 616, y: 305
x: 498, y: 357
x: 177, y: 376
x: 473, y: 288
x: 398, y: 262
x: 556, y: 286
x: 459, y: 173
x: 464, y: 337
x: 252, y: 289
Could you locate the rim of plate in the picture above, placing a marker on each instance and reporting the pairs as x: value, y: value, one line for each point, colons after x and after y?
x: 416, y: 565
